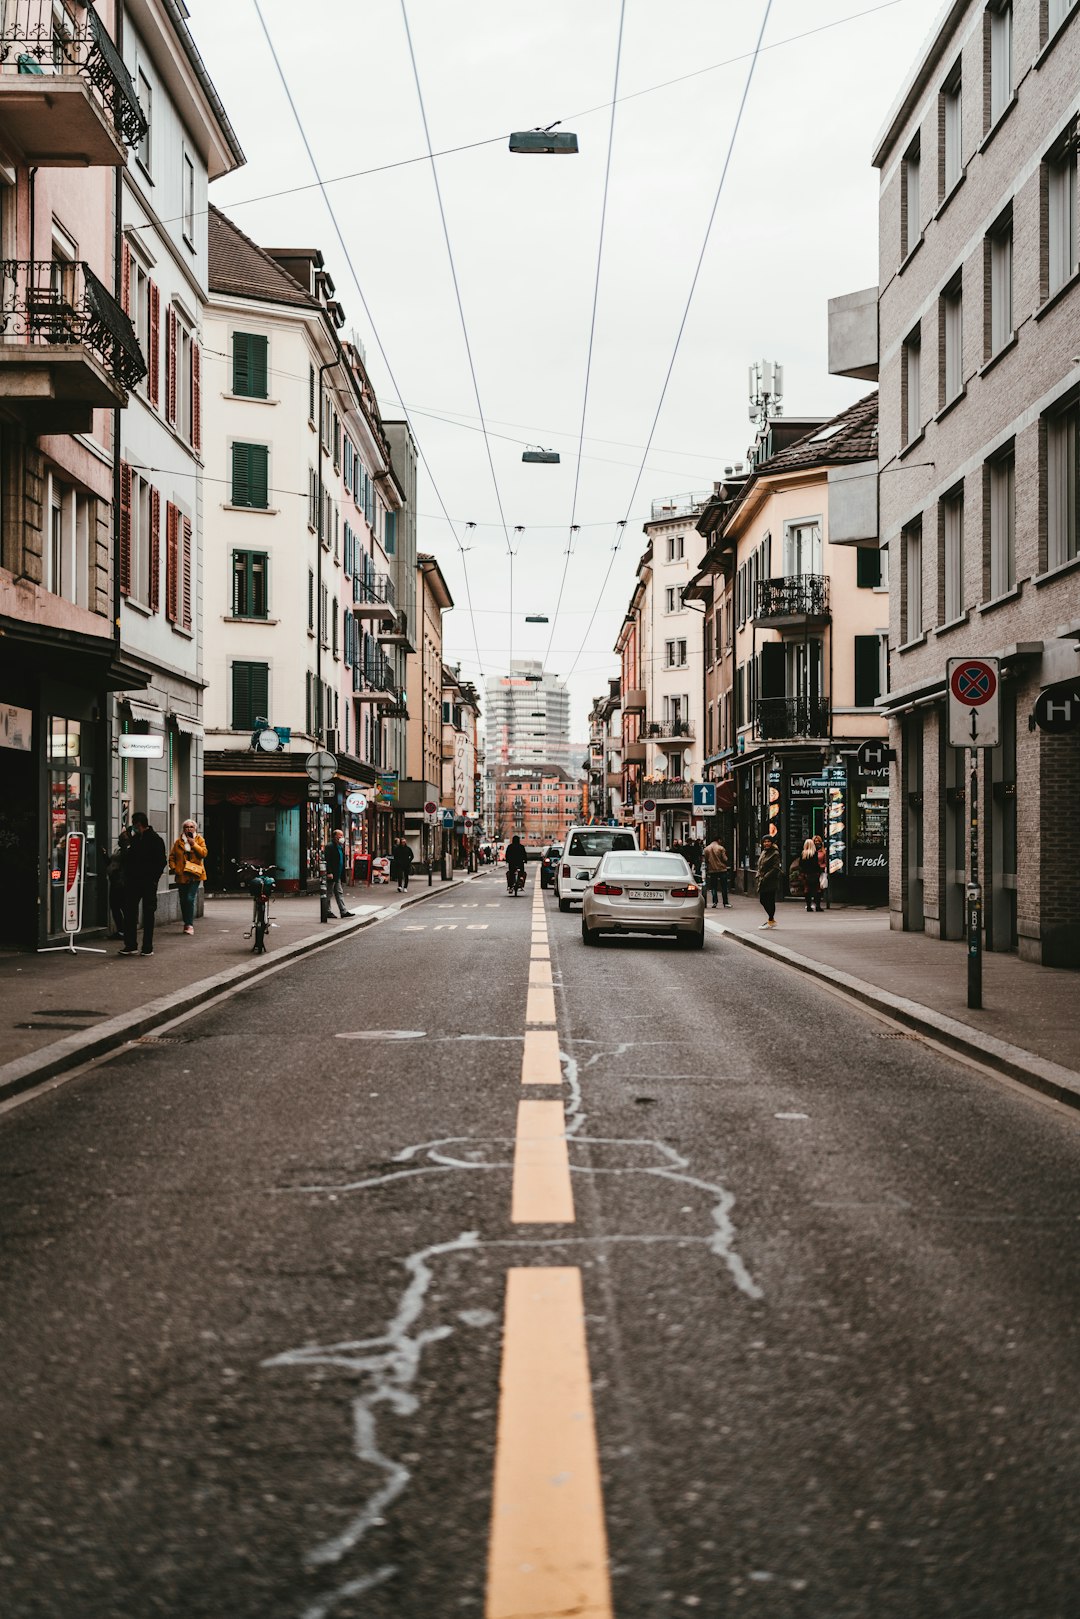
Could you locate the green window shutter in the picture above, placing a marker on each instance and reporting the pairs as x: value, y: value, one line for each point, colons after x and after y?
x: 250, y: 475
x: 251, y: 691
x: 241, y: 363
x: 867, y: 671
x: 390, y: 540
x: 867, y: 568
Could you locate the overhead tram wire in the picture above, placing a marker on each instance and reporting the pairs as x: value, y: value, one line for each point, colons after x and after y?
x: 461, y: 313
x: 368, y: 315
x: 592, y: 331
x: 497, y: 140
x: 682, y: 322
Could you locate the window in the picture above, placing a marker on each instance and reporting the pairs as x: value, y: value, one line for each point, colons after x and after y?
x: 313, y: 501
x: 250, y: 694
x: 910, y: 204
x: 999, y: 22
x: 146, y: 102
x: 249, y: 584
x: 951, y: 570
x: 390, y: 534
x: 183, y: 379
x: 67, y: 557
x: 951, y: 309
x: 867, y: 670
x: 675, y: 546
x: 675, y: 654
x: 1058, y: 11
x: 310, y: 604
x: 178, y: 566
x: 1001, y: 511
x: 251, y: 476
x: 999, y: 275
x: 1060, y: 232
x: 141, y: 301
x: 910, y: 385
x: 911, y: 606
x: 1063, y: 486
x: 802, y: 547
x: 950, y: 106
x: 868, y: 568
x: 249, y: 374
x: 189, y: 201
x: 673, y: 599
x: 140, y: 539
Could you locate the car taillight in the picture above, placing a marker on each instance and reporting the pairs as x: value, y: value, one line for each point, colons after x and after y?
x: 566, y: 871
x: 690, y: 892
x: 608, y: 888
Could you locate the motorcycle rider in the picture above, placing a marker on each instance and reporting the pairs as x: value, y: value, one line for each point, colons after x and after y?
x: 515, y: 862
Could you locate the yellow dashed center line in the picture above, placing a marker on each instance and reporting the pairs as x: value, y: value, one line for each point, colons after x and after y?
x: 542, y: 1194
x: 540, y: 1059
x: 540, y: 1005
x: 540, y: 972
x: 548, y: 1547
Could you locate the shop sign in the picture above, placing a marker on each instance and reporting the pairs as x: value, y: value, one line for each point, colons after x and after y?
x: 386, y: 786
x: 73, y: 888
x: 16, y: 726
x: 136, y: 745
x: 870, y: 860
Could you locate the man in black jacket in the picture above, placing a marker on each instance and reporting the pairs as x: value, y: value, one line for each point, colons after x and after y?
x: 143, y: 859
x: 336, y: 867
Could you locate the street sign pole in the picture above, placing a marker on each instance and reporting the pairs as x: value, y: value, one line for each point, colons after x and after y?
x: 974, y: 895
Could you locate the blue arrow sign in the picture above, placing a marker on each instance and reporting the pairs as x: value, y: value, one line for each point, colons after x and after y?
x: 705, y: 795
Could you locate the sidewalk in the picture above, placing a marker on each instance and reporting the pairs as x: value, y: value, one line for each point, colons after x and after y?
x: 61, y: 1010
x: 924, y: 982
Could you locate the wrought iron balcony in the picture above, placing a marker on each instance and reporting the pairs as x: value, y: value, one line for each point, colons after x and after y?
x: 668, y: 731
x: 373, y: 682
x: 64, y: 340
x: 66, y: 97
x: 374, y: 596
x: 668, y: 789
x: 793, y: 599
x: 781, y: 719
x: 395, y: 631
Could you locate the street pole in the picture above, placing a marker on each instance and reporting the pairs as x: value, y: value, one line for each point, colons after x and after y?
x: 974, y: 894
x: 319, y: 716
x: 427, y: 851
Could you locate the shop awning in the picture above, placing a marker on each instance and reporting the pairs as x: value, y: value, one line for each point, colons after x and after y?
x: 148, y: 713
x: 186, y: 725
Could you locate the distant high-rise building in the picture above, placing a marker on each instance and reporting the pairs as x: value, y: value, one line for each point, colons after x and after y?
x: 527, y: 714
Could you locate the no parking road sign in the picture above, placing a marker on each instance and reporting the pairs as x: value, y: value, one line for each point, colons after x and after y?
x: 974, y: 691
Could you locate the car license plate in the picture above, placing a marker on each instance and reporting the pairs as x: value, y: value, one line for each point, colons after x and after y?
x: 646, y: 893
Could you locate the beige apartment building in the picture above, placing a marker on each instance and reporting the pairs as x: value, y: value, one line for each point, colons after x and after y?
x: 794, y: 636
x: 423, y: 691
x: 974, y: 331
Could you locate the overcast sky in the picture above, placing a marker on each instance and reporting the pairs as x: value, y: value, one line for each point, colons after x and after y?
x: 796, y: 224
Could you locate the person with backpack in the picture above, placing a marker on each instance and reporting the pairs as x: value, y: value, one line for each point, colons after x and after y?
x: 401, y: 864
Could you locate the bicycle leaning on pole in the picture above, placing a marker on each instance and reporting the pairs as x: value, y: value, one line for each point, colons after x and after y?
x: 260, y: 885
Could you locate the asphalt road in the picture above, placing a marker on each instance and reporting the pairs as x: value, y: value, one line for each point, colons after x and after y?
x: 254, y: 1285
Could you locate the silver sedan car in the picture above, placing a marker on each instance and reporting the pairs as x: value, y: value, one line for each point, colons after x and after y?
x: 644, y: 892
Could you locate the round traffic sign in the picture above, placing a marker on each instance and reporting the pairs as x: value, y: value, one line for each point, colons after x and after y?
x: 320, y: 765
x: 973, y: 682
x: 356, y: 803
x: 648, y: 805
x: 430, y: 807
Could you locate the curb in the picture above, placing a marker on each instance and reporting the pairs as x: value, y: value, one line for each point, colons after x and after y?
x: 1026, y: 1067
x: 75, y: 1049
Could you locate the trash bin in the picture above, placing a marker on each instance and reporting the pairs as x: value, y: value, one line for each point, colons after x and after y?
x: 361, y: 868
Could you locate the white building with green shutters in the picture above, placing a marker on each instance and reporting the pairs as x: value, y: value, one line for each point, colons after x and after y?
x: 301, y: 622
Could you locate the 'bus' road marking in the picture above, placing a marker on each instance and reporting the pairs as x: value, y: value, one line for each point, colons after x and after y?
x: 542, y: 1194
x: 548, y: 1549
x: 540, y: 1058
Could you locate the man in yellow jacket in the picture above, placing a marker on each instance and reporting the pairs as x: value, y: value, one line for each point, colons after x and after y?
x: 186, y: 863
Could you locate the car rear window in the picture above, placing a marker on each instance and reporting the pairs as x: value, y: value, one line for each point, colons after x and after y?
x: 629, y: 865
x: 600, y: 842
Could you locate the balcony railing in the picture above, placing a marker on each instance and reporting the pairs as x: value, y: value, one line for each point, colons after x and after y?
x: 784, y: 718
x: 48, y: 39
x: 377, y: 589
x: 668, y: 730
x: 681, y: 505
x: 799, y: 595
x: 53, y: 303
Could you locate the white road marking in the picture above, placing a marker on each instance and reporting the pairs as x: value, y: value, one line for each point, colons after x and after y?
x: 382, y: 1034
x: 444, y: 927
x: 477, y: 927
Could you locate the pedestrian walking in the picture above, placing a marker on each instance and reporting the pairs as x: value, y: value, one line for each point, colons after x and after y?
x: 768, y: 880
x: 823, y: 864
x: 142, y: 862
x: 810, y: 868
x: 186, y: 859
x: 334, y: 856
x: 401, y: 862
x: 717, y: 871
x: 115, y: 873
x: 695, y: 851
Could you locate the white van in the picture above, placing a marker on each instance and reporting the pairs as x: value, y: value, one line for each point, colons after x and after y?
x: 583, y: 849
